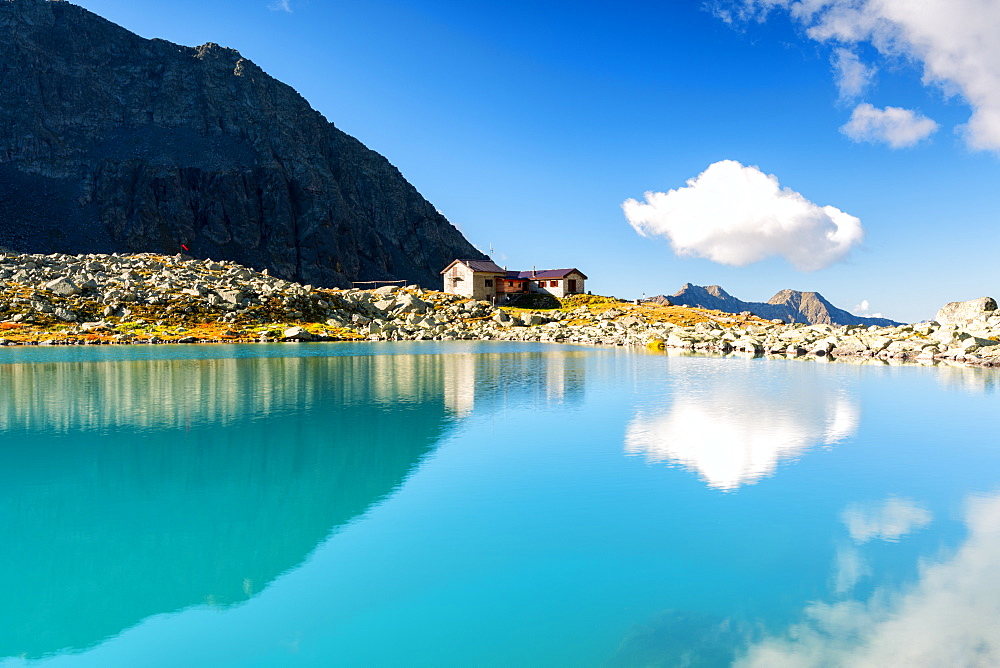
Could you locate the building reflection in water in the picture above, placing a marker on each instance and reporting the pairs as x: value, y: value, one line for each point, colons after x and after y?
x: 733, y: 432
x: 488, y: 381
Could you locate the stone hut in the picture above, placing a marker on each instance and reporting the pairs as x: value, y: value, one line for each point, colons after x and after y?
x: 483, y: 279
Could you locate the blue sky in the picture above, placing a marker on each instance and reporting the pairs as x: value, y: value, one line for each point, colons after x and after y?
x: 529, y: 124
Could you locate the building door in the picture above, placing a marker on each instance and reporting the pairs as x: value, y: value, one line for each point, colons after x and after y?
x: 571, y: 285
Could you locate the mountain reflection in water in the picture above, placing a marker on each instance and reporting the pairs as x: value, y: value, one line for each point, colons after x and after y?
x: 134, y: 488
x: 463, y: 503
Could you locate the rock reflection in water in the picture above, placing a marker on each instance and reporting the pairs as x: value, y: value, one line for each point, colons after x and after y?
x: 734, y: 431
x: 158, y: 394
x: 972, y: 380
x: 134, y: 488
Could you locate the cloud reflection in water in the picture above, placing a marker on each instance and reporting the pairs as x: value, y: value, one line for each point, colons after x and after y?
x: 889, y: 521
x: 949, y: 617
x: 733, y: 435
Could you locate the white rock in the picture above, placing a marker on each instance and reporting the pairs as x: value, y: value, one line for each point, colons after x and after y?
x: 63, y: 287
x: 296, y: 334
x: 966, y: 312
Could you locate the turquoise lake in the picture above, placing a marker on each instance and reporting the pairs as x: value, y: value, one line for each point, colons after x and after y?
x: 493, y: 504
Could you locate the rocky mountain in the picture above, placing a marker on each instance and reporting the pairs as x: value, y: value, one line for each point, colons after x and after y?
x: 787, y: 306
x: 110, y: 142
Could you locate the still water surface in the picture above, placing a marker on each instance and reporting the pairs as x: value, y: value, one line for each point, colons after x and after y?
x: 489, y: 504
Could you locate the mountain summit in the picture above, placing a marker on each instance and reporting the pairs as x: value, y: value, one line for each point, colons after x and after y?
x: 787, y: 305
x: 110, y: 142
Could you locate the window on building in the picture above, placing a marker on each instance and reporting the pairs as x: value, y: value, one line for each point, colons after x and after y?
x: 489, y: 282
x: 554, y: 284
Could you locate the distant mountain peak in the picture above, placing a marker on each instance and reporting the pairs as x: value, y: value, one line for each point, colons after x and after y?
x: 717, y: 291
x: 787, y: 306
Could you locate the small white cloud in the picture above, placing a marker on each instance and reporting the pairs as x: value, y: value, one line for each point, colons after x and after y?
x: 894, y: 126
x: 281, y: 6
x: 888, y: 521
x: 864, y: 309
x: 851, y: 75
x: 738, y: 215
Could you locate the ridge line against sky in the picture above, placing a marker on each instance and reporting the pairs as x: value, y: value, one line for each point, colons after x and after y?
x: 530, y: 124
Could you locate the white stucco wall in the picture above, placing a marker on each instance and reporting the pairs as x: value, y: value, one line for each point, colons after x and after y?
x: 469, y: 283
x: 458, y: 280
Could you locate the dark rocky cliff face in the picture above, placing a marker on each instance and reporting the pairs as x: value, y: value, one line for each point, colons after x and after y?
x: 111, y: 143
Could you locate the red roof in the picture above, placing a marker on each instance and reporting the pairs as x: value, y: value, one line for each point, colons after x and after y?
x: 544, y: 273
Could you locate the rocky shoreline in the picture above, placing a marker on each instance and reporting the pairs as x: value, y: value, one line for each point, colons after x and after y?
x: 146, y: 298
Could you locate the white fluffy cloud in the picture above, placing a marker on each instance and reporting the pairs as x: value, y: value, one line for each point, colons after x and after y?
x: 955, y: 41
x: 949, y: 617
x: 738, y: 215
x: 281, y: 6
x: 852, y: 76
x: 894, y: 126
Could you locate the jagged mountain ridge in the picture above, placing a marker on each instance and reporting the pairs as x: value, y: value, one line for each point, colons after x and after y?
x: 787, y: 306
x: 110, y: 142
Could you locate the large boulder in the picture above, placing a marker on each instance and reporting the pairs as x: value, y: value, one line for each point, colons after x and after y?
x: 63, y: 287
x: 408, y: 303
x: 297, y: 334
x: 961, y: 313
